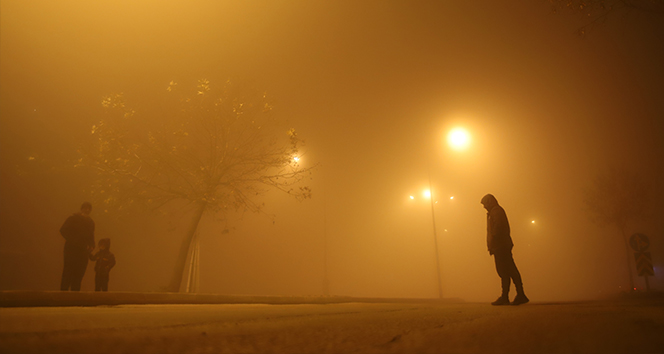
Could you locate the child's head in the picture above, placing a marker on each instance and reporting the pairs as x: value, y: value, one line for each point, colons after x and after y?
x: 105, y: 243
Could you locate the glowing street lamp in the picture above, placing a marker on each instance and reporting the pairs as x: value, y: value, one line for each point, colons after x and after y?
x: 458, y: 138
x: 427, y: 193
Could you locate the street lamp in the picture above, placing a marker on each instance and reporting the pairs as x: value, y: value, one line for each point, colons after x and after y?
x: 435, y: 239
x: 458, y: 139
x: 326, y: 279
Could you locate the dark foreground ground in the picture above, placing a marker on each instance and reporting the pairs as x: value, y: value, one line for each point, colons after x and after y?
x: 616, y: 326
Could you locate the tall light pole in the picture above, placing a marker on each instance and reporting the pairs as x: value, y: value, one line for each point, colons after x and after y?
x: 435, y: 240
x: 326, y: 279
x: 458, y: 139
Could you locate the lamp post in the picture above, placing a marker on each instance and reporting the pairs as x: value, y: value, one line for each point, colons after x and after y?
x: 458, y: 139
x: 326, y: 279
x: 435, y: 240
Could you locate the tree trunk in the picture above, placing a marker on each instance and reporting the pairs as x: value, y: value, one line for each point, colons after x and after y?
x: 628, y: 255
x: 176, y: 279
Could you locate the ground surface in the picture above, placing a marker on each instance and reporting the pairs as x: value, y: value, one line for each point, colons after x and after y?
x: 588, y: 327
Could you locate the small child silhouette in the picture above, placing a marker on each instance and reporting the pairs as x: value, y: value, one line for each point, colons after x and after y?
x: 105, y: 261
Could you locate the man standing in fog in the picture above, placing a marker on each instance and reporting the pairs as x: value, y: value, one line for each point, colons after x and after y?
x: 500, y: 245
x: 79, y: 233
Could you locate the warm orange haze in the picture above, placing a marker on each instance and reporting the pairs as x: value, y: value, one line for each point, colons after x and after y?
x: 400, y: 115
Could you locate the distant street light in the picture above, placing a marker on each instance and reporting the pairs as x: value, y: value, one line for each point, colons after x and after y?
x: 427, y: 194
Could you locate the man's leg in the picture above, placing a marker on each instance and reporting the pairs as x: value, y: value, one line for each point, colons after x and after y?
x: 514, y: 274
x: 76, y: 280
x: 104, y: 284
x: 65, y: 281
x: 503, y: 269
x: 67, y: 269
x: 78, y: 272
x: 502, y: 263
x: 518, y: 283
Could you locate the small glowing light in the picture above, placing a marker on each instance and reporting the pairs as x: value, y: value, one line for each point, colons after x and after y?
x: 411, y: 197
x: 426, y: 194
x: 296, y: 159
x: 451, y: 198
x: 445, y: 230
x: 458, y: 138
x: 532, y: 222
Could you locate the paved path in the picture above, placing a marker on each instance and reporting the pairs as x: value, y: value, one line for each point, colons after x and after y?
x: 592, y: 327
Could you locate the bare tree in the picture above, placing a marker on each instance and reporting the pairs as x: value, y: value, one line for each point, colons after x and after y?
x: 214, y: 150
x: 619, y: 198
x: 598, y: 11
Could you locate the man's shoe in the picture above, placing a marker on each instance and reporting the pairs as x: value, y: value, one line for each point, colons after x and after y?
x: 503, y: 300
x: 520, y: 299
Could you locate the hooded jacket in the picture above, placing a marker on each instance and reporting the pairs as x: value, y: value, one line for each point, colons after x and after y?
x: 498, y: 237
x: 105, y: 259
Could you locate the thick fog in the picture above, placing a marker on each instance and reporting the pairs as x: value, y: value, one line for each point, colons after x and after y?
x: 373, y: 87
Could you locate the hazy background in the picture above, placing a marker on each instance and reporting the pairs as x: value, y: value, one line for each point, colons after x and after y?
x: 373, y: 87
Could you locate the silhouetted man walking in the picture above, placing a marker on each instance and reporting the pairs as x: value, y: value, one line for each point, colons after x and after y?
x: 79, y: 233
x: 499, y: 243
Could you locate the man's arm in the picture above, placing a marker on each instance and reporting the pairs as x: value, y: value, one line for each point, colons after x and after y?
x: 65, y: 230
x: 489, y: 234
x: 500, y: 229
x: 500, y: 224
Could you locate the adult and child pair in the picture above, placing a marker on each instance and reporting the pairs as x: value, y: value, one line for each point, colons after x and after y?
x: 79, y: 234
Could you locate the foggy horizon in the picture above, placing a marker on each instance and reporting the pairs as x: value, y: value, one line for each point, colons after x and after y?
x: 373, y: 88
